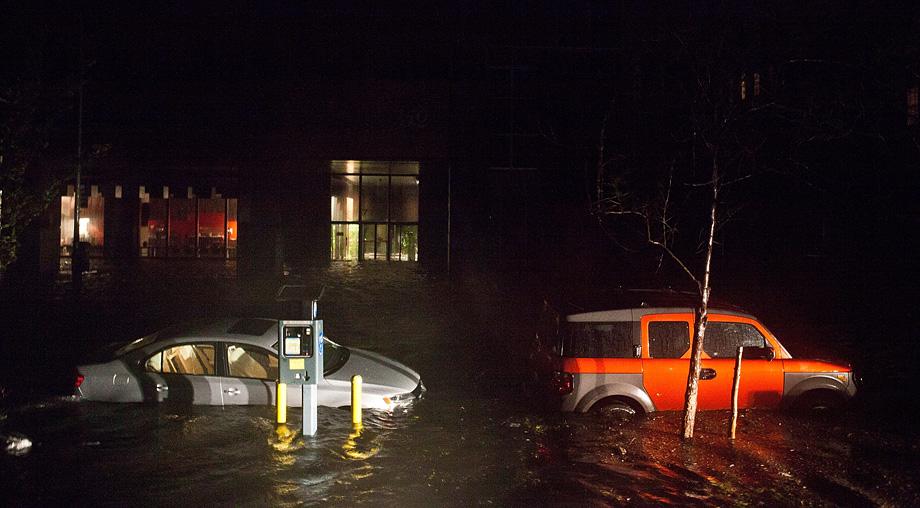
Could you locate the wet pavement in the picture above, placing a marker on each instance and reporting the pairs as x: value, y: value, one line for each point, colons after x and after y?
x: 474, y: 439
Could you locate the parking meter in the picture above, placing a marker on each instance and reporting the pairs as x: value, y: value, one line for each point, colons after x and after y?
x: 300, y: 344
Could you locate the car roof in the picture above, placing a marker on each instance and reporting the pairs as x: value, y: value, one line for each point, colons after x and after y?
x: 257, y: 331
x: 635, y: 314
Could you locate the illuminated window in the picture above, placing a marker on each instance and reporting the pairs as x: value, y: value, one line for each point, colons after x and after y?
x: 179, y: 227
x: 92, y: 223
x: 374, y: 210
x: 251, y: 362
x: 193, y: 359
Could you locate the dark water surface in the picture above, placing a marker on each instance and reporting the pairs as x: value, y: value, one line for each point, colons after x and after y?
x: 474, y: 439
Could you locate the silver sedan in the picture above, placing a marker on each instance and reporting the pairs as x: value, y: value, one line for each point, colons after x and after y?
x: 235, y: 362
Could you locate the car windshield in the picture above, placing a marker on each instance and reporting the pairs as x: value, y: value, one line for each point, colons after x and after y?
x: 137, y: 344
x: 334, y: 356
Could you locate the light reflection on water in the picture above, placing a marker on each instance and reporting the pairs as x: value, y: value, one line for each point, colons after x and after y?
x: 472, y: 440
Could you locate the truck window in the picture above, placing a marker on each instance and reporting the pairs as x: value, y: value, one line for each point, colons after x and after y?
x: 598, y: 340
x: 668, y: 339
x: 722, y: 339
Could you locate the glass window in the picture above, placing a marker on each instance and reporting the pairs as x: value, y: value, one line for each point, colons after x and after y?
x: 404, y: 168
x: 92, y: 226
x: 211, y: 227
x: 404, y: 199
x: 404, y: 242
x: 344, y: 242
x: 374, y: 210
x: 598, y: 340
x: 374, y: 198
x: 345, y: 197
x: 182, y: 227
x: 334, y: 357
x: 668, y: 339
x: 153, y: 228
x: 722, y: 339
x: 194, y: 359
x: 375, y: 241
x: 232, y: 228
x: 251, y: 362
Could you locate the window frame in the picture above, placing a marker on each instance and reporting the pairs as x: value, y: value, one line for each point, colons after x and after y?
x: 225, y: 349
x: 647, y: 353
x: 711, y: 326
x: 566, y: 337
x: 690, y: 317
x: 217, y: 362
x: 388, y: 223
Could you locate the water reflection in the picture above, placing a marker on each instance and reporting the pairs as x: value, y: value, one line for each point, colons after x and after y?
x: 356, y: 448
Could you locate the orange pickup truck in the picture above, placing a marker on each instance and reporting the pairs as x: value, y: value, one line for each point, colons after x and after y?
x: 636, y: 360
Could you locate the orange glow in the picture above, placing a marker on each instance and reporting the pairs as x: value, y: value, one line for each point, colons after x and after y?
x: 231, y: 230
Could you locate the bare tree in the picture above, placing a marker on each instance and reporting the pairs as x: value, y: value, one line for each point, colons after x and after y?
x: 680, y: 190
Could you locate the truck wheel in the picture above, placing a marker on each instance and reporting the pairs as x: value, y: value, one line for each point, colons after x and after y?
x: 615, y: 409
x: 819, y: 402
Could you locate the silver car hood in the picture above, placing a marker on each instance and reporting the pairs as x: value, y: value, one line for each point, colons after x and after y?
x: 380, y: 369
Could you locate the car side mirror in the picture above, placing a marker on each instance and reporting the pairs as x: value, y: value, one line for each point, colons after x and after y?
x: 637, y: 351
x: 758, y: 353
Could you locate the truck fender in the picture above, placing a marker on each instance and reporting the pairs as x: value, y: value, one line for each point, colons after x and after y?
x: 795, y: 388
x: 617, y: 389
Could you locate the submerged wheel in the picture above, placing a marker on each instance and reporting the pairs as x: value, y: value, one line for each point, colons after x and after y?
x: 819, y: 402
x: 615, y: 408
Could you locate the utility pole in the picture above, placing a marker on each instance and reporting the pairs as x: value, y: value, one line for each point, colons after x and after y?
x: 76, y: 254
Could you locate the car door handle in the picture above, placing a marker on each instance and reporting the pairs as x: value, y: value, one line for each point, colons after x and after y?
x: 707, y: 374
x: 162, y: 388
x: 232, y: 391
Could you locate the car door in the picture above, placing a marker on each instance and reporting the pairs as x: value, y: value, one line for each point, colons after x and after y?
x: 251, y: 373
x: 761, y: 381
x: 665, y: 358
x: 183, y: 373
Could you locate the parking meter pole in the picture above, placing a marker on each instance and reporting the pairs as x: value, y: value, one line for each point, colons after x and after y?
x: 309, y: 410
x: 281, y: 402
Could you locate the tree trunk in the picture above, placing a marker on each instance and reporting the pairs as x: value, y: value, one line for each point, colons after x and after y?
x: 699, y: 327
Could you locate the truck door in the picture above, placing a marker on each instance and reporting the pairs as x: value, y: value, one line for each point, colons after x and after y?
x: 666, y: 358
x: 761, y: 383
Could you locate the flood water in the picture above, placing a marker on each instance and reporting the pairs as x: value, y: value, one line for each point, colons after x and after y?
x: 474, y: 439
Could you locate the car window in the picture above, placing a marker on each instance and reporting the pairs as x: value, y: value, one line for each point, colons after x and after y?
x: 598, y: 340
x: 195, y: 359
x: 668, y: 339
x: 722, y: 339
x: 251, y: 362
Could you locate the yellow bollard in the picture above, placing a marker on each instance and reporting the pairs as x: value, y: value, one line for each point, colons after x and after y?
x: 281, y: 402
x: 356, y: 399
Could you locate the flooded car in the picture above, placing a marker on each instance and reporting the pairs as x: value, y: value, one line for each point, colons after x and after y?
x: 635, y: 359
x: 235, y: 362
